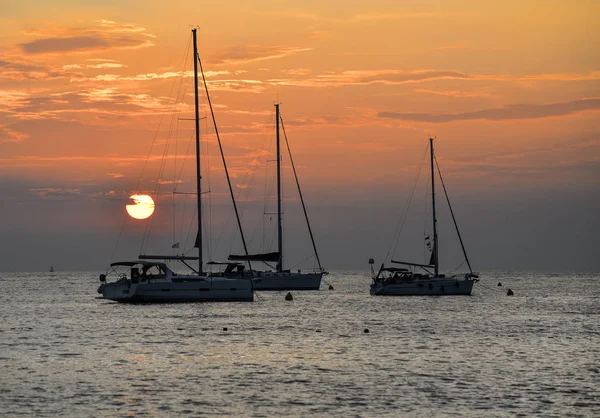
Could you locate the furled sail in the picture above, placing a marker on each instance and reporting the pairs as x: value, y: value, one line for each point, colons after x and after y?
x: 433, y: 259
x: 271, y: 257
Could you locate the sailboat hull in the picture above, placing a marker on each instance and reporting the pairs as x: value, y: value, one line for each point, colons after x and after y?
x: 198, y: 290
x: 287, y: 281
x: 431, y: 287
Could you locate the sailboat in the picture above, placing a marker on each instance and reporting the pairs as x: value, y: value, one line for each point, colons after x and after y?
x: 278, y: 278
x: 150, y: 280
x: 424, y: 279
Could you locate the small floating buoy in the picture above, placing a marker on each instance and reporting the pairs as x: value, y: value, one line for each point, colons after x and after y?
x: 509, y: 293
x: 330, y: 287
x: 289, y: 296
x: 318, y: 330
x: 499, y: 284
x: 366, y: 331
x: 224, y: 328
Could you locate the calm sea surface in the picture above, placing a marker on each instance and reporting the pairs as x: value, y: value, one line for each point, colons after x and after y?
x: 65, y: 353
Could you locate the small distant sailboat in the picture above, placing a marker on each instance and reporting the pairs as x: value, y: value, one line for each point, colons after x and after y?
x: 280, y: 278
x: 396, y: 281
x: 51, y: 269
x: 150, y: 280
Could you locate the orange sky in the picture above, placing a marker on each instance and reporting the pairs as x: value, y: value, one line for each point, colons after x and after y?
x: 511, y: 90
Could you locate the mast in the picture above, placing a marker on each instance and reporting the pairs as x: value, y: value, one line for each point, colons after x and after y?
x: 279, y: 228
x: 198, y: 177
x: 435, y: 236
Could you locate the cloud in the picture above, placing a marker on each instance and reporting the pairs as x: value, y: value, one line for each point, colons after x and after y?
x: 297, y: 71
x: 360, y: 17
x: 8, y: 135
x: 105, y: 36
x: 452, y: 93
x: 63, y: 44
x: 99, y: 102
x: 400, y: 77
x: 514, y: 111
x: 143, y: 76
x: 252, y: 53
x: 106, y: 65
x: 19, y: 71
x: 51, y: 192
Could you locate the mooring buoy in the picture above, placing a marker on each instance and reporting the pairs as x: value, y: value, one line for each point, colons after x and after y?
x: 330, y: 287
x: 509, y: 293
x: 289, y: 296
x: 366, y: 331
x: 499, y: 284
x: 224, y: 328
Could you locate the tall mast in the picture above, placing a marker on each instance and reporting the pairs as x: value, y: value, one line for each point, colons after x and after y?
x: 435, y: 236
x: 279, y: 228
x: 198, y: 177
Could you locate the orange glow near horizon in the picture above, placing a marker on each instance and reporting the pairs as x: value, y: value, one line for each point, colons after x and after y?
x: 512, y: 91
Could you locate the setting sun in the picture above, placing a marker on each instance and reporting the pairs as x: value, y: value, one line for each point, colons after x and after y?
x: 142, y: 208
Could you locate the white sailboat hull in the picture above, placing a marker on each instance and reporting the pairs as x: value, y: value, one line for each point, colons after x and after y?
x: 195, y: 289
x: 287, y: 281
x: 425, y: 287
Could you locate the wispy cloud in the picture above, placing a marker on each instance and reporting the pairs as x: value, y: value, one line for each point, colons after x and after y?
x: 143, y: 76
x: 99, y: 102
x: 253, y: 53
x: 297, y: 71
x: 358, y: 17
x: 9, y: 135
x: 18, y: 71
x: 49, y: 192
x: 453, y: 93
x: 400, y: 77
x: 514, y: 111
x: 106, y: 35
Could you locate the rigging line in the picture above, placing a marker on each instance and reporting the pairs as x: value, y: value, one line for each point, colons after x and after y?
x: 453, y: 217
x: 300, y: 194
x: 187, y: 153
x: 157, y: 186
x: 301, y: 261
x: 116, y: 244
x: 192, y: 223
x: 160, y: 122
x: 426, y: 214
x: 177, y: 178
x: 244, y: 194
x: 267, y: 190
x: 401, y: 221
x: 226, y: 171
x: 456, y: 269
x: 145, y: 236
x: 208, y: 171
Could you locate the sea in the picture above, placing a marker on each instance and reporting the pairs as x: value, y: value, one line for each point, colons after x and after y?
x: 66, y: 353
